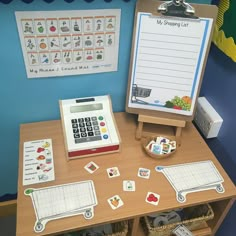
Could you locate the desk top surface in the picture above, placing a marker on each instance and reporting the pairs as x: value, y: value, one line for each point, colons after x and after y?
x: 129, y: 160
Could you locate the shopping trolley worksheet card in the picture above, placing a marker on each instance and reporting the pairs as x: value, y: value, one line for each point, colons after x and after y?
x: 38, y: 165
x: 192, y: 177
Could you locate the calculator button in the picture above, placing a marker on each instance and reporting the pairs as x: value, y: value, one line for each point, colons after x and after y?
x: 105, y: 136
x: 76, y: 135
x: 81, y: 120
x: 102, y: 123
x: 88, y: 139
x: 75, y: 131
x: 95, y: 123
x: 83, y: 134
x: 81, y: 124
x: 77, y: 140
x: 73, y: 121
x: 74, y: 125
x: 90, y: 134
x: 89, y: 128
x: 103, y: 130
x: 88, y: 123
x: 100, y: 117
x: 82, y: 129
x: 97, y: 133
x: 96, y: 127
x: 95, y: 138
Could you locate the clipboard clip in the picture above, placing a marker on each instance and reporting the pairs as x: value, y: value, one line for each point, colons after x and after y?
x: 178, y: 8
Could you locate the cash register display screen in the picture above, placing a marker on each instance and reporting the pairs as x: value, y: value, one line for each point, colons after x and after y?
x: 84, y: 108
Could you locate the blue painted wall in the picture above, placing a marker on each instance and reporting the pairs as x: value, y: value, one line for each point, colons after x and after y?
x: 23, y: 100
x: 218, y: 87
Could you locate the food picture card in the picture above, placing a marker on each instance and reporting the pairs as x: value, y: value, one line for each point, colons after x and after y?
x: 113, y: 172
x: 129, y: 185
x: 59, y: 43
x: 144, y: 173
x: 91, y: 167
x: 115, y: 202
x: 38, y: 165
x: 152, y: 198
x: 161, y: 145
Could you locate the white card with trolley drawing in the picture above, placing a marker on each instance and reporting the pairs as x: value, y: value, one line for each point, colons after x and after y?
x: 59, y: 201
x: 38, y: 165
x: 192, y: 177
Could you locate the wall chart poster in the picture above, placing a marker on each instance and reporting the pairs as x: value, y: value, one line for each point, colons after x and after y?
x: 59, y: 43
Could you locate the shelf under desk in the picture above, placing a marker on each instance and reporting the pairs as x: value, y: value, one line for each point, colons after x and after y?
x: 129, y: 160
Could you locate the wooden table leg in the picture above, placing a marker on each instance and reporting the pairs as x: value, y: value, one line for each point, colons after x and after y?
x: 135, y: 225
x: 178, y: 135
x: 139, y: 130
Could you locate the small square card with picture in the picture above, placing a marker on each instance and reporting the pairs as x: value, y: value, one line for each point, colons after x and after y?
x: 144, y: 173
x: 161, y: 145
x: 152, y: 198
x: 91, y: 167
x: 113, y: 172
x: 129, y: 185
x: 115, y: 202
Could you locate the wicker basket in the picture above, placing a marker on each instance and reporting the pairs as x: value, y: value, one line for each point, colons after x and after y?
x: 194, y: 217
x: 147, y: 140
x: 118, y: 229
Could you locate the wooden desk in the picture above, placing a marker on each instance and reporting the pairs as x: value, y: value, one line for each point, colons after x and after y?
x: 128, y: 161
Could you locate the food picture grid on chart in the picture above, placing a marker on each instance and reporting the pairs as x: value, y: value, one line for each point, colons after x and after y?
x: 58, y: 43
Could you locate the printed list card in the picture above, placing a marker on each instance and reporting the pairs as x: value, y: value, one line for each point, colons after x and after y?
x: 168, y: 61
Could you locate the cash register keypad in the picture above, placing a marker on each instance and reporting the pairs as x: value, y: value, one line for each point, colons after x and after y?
x: 89, y: 129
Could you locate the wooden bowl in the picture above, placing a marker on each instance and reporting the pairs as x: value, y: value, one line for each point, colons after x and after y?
x: 165, y: 150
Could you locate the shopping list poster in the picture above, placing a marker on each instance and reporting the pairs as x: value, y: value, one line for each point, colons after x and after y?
x: 168, y: 61
x: 59, y: 43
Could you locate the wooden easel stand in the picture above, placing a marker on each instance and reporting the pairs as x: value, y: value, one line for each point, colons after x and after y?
x: 178, y: 124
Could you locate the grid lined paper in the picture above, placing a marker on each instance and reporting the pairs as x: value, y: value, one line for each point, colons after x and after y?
x: 63, y: 200
x: 192, y: 177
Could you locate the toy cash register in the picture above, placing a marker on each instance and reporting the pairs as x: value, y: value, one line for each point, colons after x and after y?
x: 89, y: 126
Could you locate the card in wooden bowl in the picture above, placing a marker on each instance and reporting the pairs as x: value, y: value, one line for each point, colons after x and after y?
x: 159, y: 146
